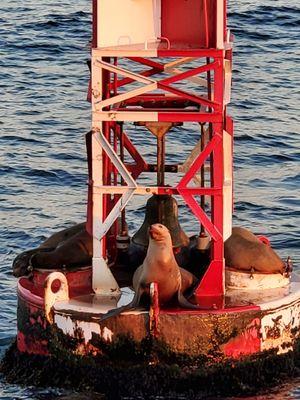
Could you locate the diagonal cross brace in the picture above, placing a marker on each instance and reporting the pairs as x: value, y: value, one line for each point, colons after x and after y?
x: 199, y: 161
x: 152, y: 84
x: 102, y: 229
x: 141, y: 164
x: 183, y: 189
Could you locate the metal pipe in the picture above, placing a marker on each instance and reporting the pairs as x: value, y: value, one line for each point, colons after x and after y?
x: 123, y: 213
x: 167, y: 168
x: 205, y: 11
x: 202, y: 174
x: 161, y: 161
x: 160, y: 171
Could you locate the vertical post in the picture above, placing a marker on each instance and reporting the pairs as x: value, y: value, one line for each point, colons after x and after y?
x: 217, y: 212
x: 103, y: 281
x: 218, y: 178
x: 213, y: 282
x: 220, y: 24
x: 228, y: 186
x: 157, y: 17
x: 94, y: 23
x: 161, y: 160
x: 205, y: 12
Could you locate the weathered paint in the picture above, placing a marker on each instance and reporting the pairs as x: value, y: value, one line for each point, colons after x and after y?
x: 280, y: 326
x: 236, y: 330
x: 243, y: 280
x: 248, y: 342
x: 33, y: 330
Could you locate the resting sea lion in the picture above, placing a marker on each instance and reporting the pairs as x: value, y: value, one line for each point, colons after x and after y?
x: 244, y: 251
x: 75, y: 251
x: 161, y: 267
x: 59, y: 249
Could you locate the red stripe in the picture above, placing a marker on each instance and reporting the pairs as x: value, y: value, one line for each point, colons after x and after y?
x: 186, y: 117
x: 191, y: 72
x: 213, y: 53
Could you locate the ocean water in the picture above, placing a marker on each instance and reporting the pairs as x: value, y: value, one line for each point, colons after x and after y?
x: 44, y: 116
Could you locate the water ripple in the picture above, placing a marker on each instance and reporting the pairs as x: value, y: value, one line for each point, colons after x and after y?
x: 43, y: 81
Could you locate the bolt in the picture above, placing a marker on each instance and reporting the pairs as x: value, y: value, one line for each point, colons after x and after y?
x: 288, y: 267
x: 96, y: 93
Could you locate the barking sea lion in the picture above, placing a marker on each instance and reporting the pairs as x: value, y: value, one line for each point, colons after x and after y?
x: 161, y: 267
x: 244, y: 251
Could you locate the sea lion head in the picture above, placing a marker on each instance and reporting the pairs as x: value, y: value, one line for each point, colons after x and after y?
x: 160, y: 233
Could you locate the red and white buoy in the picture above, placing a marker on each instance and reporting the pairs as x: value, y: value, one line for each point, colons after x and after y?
x: 143, y: 51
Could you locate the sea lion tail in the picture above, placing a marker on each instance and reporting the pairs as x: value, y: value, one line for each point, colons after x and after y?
x: 184, y: 303
x: 116, y: 311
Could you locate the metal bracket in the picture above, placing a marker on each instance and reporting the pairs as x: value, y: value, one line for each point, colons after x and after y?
x: 51, y: 296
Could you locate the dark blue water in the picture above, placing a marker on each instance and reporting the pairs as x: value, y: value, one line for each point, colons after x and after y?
x: 44, y: 115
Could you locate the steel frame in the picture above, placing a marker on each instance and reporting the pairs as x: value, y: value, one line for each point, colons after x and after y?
x: 158, y: 100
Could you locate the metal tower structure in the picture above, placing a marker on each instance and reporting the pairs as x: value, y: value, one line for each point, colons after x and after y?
x: 143, y: 53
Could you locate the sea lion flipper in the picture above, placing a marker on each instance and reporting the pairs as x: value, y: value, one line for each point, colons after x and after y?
x: 22, y: 261
x: 116, y: 311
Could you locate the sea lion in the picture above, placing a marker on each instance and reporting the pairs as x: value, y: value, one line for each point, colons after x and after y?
x: 51, y: 250
x: 244, y: 251
x: 159, y: 266
x: 75, y: 251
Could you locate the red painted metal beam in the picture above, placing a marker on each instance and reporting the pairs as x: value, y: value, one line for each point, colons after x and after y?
x: 126, y: 81
x: 141, y: 165
x: 190, y: 191
x: 197, y: 53
x: 199, y: 161
x: 185, y: 95
x: 148, y: 62
x: 188, y: 117
x: 191, y: 72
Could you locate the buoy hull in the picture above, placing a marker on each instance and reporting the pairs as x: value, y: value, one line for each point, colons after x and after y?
x: 237, y: 329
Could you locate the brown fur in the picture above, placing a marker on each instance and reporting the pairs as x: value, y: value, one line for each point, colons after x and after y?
x: 244, y: 251
x: 161, y: 267
x: 70, y: 246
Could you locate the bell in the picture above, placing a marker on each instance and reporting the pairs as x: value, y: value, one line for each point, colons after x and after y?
x: 161, y: 209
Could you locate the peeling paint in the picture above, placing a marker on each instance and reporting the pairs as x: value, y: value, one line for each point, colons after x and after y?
x: 280, y: 328
x: 107, y: 334
x: 87, y: 329
x: 68, y: 327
